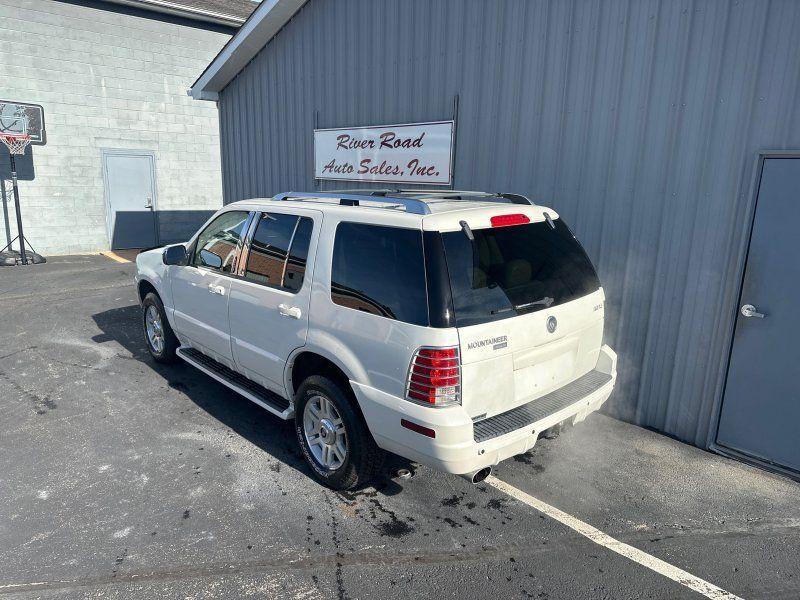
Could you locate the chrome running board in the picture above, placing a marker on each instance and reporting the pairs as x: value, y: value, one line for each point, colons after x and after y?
x: 248, y: 388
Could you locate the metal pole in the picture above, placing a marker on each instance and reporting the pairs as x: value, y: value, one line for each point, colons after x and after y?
x: 6, y: 220
x: 16, y: 208
x: 455, y: 139
x: 316, y: 126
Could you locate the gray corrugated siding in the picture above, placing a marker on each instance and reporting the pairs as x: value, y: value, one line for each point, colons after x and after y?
x: 639, y: 121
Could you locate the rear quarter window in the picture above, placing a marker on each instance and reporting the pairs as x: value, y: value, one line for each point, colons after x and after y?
x: 380, y: 270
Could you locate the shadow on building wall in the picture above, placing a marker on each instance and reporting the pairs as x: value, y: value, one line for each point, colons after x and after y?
x: 147, y: 229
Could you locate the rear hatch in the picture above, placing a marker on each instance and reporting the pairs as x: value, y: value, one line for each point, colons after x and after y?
x: 528, y: 307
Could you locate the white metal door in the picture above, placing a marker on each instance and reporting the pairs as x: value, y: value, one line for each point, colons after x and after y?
x: 201, y: 310
x: 129, y: 178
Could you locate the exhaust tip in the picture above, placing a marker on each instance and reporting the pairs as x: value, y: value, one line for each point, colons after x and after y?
x: 481, y: 475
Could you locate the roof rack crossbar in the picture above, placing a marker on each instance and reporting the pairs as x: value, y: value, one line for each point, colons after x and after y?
x: 517, y: 199
x: 456, y: 194
x: 363, y: 192
x: 513, y: 198
x: 445, y: 192
x: 411, y: 205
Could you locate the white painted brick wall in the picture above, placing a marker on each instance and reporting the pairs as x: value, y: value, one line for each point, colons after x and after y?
x: 106, y: 80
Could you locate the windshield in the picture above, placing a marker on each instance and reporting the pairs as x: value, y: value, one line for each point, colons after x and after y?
x: 510, y: 271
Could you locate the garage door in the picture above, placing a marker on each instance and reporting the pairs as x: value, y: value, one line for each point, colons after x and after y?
x: 761, y: 406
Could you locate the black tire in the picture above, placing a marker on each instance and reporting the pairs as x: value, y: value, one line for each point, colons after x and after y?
x: 363, y: 459
x: 167, y: 353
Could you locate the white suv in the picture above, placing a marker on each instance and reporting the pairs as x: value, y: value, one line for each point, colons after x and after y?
x: 451, y: 328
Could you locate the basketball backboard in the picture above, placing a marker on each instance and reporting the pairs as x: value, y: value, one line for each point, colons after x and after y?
x: 20, y: 117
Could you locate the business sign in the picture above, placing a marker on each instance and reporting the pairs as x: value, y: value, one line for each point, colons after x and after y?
x: 410, y: 153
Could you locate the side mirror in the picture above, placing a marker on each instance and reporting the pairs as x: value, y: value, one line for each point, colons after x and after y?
x: 174, y: 255
x: 209, y: 259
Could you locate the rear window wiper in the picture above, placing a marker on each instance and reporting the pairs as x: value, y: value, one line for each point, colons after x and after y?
x: 467, y: 231
x: 547, y: 301
x: 474, y: 248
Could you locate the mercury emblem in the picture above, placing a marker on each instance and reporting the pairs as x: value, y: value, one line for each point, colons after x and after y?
x: 552, y: 323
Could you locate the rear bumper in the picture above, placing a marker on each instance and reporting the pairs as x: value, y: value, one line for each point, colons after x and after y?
x: 461, y: 446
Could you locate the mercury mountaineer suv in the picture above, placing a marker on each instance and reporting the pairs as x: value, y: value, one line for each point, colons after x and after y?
x: 450, y: 328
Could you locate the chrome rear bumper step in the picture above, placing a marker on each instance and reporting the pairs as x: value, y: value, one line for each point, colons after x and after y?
x: 237, y: 382
x: 541, y: 408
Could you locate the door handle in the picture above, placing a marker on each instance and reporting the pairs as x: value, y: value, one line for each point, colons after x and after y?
x: 748, y: 310
x: 216, y: 289
x: 148, y: 203
x: 289, y: 311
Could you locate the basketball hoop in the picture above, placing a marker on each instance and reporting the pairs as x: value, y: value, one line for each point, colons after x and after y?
x: 15, y: 142
x: 21, y: 124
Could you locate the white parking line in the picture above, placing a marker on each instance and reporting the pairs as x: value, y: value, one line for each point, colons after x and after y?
x: 598, y: 537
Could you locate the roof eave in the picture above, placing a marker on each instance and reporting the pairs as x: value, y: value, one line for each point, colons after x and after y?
x: 181, y: 10
x: 203, y: 95
x: 267, y: 19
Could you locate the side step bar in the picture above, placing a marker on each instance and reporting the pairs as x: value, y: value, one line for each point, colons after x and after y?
x: 237, y: 382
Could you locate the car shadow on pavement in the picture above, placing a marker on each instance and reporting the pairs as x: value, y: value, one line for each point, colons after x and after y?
x: 261, y: 428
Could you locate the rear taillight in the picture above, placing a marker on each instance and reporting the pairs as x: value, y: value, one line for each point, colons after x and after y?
x: 434, y: 378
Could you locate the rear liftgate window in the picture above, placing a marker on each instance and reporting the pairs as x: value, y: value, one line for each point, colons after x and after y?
x: 380, y: 270
x: 510, y: 271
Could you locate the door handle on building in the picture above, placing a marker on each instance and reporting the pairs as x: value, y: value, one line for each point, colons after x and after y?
x: 216, y: 289
x: 148, y: 203
x: 289, y: 311
x: 748, y: 310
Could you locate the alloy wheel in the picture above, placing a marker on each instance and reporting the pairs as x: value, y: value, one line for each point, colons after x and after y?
x: 325, y: 432
x: 155, y: 329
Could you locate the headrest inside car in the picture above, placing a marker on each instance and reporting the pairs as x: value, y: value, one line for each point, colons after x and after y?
x: 514, y: 273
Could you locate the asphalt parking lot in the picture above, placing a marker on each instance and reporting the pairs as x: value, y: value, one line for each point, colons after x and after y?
x: 120, y: 478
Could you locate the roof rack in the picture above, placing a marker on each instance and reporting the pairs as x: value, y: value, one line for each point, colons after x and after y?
x: 412, y: 205
x: 400, y: 197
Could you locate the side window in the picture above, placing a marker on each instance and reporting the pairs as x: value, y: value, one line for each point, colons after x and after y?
x: 270, y: 261
x: 380, y: 270
x: 298, y: 255
x: 216, y: 244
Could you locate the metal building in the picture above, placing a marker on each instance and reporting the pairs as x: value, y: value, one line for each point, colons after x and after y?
x: 647, y: 124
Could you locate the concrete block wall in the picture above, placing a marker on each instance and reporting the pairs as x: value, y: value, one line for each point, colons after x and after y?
x: 106, y: 79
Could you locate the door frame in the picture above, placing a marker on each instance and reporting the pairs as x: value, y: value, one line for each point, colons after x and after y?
x: 106, y: 152
x: 744, y: 254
